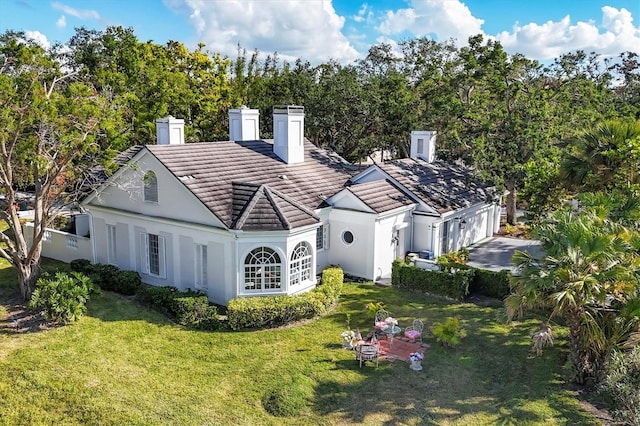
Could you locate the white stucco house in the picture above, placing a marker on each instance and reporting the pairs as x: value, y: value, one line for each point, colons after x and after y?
x: 251, y: 217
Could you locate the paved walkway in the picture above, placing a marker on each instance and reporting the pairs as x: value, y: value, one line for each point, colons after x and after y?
x: 495, y: 253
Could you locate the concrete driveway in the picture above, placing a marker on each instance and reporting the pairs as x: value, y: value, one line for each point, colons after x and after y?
x: 495, y: 253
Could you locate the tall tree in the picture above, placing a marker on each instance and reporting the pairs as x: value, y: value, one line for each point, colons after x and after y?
x: 52, y: 129
x: 587, y: 276
x: 605, y: 158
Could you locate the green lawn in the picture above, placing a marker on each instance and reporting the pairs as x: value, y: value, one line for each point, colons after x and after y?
x: 123, y: 364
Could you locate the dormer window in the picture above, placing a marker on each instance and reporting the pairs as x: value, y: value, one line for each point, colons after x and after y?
x: 150, y: 187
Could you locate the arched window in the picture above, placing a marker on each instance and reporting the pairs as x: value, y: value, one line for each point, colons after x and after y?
x: 150, y: 187
x: 262, y: 270
x: 300, y: 266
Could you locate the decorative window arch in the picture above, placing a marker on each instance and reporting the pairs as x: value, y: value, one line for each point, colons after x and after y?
x: 262, y: 270
x: 300, y: 266
x: 150, y: 187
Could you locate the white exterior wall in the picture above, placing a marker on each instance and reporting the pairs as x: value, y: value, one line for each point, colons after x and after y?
x: 355, y: 258
x: 174, y: 200
x: 479, y: 224
x: 386, y: 248
x: 180, y: 240
x: 61, y: 245
x: 322, y: 256
x: 226, y: 253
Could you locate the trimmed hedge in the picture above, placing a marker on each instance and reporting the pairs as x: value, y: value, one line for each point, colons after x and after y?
x: 496, y: 284
x: 190, y: 308
x: 274, y: 311
x: 452, y: 285
x: 109, y: 277
x: 491, y: 283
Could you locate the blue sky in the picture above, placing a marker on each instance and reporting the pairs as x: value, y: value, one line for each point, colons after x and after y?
x: 317, y: 30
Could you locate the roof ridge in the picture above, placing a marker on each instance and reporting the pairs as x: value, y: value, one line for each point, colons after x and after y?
x: 292, y: 202
x: 249, y: 206
x: 281, y: 216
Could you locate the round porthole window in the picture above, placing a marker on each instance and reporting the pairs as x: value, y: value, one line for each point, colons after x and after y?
x: 347, y: 237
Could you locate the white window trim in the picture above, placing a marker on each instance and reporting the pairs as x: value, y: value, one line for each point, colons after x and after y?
x: 263, y: 276
x: 297, y: 268
x: 111, y: 244
x: 146, y: 258
x: 342, y: 237
x: 324, y: 228
x: 144, y: 187
x: 201, y: 281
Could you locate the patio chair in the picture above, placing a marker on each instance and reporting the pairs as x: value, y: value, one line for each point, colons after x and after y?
x: 414, y: 332
x: 367, y: 352
x: 381, y: 316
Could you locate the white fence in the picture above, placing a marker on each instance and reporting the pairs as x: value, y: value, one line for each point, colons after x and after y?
x: 61, y: 245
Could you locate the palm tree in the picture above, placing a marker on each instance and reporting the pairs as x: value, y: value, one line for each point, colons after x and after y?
x: 587, y: 275
x: 605, y: 158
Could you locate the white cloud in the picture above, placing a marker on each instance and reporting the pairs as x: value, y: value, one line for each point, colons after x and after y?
x: 365, y: 14
x: 39, y: 38
x: 444, y: 18
x: 308, y: 29
x: 61, y: 22
x: 551, y: 39
x: 78, y: 13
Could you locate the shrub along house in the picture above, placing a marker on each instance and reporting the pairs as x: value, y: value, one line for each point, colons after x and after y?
x: 251, y: 217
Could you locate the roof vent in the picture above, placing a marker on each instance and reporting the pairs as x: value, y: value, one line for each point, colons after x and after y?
x: 283, y: 177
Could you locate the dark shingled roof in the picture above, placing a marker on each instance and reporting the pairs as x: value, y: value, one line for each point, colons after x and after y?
x: 381, y: 195
x: 256, y: 207
x: 248, y: 187
x: 441, y: 185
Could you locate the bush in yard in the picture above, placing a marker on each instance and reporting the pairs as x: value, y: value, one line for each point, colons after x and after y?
x: 109, y: 277
x: 62, y: 298
x: 274, y: 311
x: 494, y: 284
x: 193, y: 310
x: 448, y: 284
x: 81, y: 265
x: 289, y: 396
x: 190, y: 308
x: 126, y: 282
x: 449, y: 332
x: 621, y: 386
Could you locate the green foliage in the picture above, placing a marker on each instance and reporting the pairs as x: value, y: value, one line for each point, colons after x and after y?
x: 494, y: 284
x: 289, y: 395
x: 604, y: 158
x: 274, y: 311
x: 109, y: 277
x: 621, y: 386
x: 460, y: 257
x: 587, y: 276
x: 373, y: 307
x: 453, y: 285
x: 80, y: 265
x: 449, y: 332
x: 194, y: 310
x: 190, y: 308
x: 62, y: 298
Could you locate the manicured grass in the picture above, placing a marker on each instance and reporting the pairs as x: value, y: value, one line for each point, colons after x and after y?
x: 123, y: 364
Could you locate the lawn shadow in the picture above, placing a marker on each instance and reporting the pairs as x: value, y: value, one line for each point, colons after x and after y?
x: 491, y: 378
x: 20, y: 319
